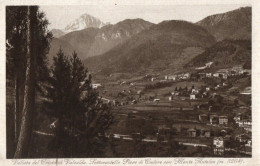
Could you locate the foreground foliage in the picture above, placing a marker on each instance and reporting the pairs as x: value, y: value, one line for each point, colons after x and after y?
x: 81, y: 117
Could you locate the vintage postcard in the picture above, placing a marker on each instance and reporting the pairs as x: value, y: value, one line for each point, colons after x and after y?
x: 129, y: 83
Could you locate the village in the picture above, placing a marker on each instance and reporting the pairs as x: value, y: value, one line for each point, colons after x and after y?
x: 198, y: 109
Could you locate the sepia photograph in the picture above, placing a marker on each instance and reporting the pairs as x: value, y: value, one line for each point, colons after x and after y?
x: 128, y: 81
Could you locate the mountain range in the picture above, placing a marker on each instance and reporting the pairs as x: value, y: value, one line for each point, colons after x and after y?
x: 224, y: 54
x: 95, y: 41
x: 136, y: 45
x: 236, y: 24
x: 157, y: 47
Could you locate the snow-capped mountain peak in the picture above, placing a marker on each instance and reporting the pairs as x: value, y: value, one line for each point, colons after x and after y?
x: 84, y: 21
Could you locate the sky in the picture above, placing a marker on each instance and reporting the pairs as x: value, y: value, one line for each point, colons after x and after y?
x: 60, y: 16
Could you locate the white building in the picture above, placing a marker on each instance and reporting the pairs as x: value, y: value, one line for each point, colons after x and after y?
x: 192, y: 96
x: 208, y: 74
x: 171, y: 77
x: 216, y: 75
x: 187, y: 75
x: 195, y: 91
x: 237, y: 118
x: 245, y: 122
x: 223, y: 120
x: 218, y: 146
x: 218, y: 142
x: 249, y: 143
x: 95, y: 86
x: 156, y: 100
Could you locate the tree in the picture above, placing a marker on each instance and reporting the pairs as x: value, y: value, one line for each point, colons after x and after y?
x: 81, y: 115
x: 29, y: 97
x: 15, y: 56
x: 16, y: 41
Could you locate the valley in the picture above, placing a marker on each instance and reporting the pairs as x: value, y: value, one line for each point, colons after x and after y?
x: 169, y: 111
x: 172, y: 85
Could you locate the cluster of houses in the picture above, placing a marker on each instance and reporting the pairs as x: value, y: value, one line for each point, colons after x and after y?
x: 183, y: 76
x: 114, y: 102
x: 166, y: 133
x: 219, y: 142
x: 213, y: 118
x: 245, y: 123
x: 199, y: 93
x: 196, y: 131
x: 174, y: 77
x: 244, y: 143
x: 193, y: 93
x: 244, y: 138
x: 225, y: 73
